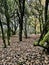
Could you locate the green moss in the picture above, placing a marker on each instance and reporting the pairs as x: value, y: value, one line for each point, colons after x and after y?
x: 45, y: 39
x: 35, y: 44
x: 41, y: 43
x: 44, y: 42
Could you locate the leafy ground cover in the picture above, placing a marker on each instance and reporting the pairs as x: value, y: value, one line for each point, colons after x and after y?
x: 23, y: 53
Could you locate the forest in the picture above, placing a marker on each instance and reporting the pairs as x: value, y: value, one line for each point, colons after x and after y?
x: 24, y: 32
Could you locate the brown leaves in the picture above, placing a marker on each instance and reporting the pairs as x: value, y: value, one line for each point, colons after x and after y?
x: 23, y: 53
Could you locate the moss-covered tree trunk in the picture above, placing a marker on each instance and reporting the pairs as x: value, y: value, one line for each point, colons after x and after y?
x: 46, y: 22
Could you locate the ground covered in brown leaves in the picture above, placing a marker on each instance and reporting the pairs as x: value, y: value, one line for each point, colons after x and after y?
x: 23, y: 53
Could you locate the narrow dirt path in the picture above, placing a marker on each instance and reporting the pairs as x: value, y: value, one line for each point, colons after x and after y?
x: 23, y: 53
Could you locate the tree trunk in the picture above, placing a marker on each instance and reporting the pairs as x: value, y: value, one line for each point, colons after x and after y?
x: 35, y: 26
x: 40, y: 24
x: 20, y: 28
x: 46, y: 17
x: 3, y: 37
x: 21, y: 10
x: 25, y: 32
x: 20, y: 32
x: 46, y: 22
x: 8, y: 20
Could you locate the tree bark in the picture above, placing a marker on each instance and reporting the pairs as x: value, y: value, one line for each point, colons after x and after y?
x: 25, y: 32
x: 21, y: 10
x: 8, y: 20
x: 46, y: 22
x: 3, y: 37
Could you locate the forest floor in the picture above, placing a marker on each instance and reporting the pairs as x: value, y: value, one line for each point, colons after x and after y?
x: 23, y: 53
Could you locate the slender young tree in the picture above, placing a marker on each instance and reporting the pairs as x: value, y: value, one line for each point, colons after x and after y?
x: 35, y: 26
x: 25, y: 27
x: 3, y: 36
x: 21, y: 10
x: 8, y: 20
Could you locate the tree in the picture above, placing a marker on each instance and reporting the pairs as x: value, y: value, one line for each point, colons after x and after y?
x: 3, y: 37
x: 20, y: 15
x: 46, y: 22
x: 45, y: 33
x: 26, y: 17
x: 8, y: 20
x: 25, y: 26
x: 1, y: 24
